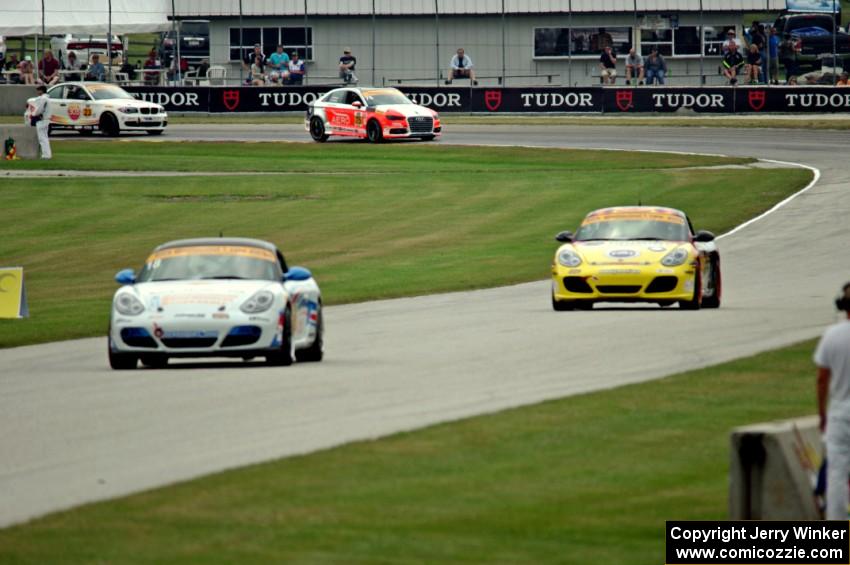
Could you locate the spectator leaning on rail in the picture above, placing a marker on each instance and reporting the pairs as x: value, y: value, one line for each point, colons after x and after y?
x: 731, y: 63
x: 608, y: 66
x: 656, y: 67
x: 347, y: 63
x: 788, y: 55
x: 634, y: 66
x: 832, y: 358
x: 461, y: 67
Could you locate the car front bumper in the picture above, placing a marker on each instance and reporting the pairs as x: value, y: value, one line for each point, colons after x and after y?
x: 143, y: 121
x: 226, y: 335
x: 624, y: 284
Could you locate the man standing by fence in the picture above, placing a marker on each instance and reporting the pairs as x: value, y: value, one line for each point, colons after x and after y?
x: 832, y: 358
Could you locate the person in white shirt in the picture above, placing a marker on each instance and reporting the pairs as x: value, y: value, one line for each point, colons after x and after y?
x: 461, y: 67
x: 730, y: 38
x: 832, y: 358
x: 39, y: 116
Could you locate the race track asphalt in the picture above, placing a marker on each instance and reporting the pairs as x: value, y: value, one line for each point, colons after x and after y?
x: 72, y: 431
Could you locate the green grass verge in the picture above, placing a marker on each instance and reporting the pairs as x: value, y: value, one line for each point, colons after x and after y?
x: 425, y: 219
x: 586, y: 479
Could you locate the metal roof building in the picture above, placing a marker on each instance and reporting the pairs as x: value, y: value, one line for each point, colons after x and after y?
x: 521, y: 41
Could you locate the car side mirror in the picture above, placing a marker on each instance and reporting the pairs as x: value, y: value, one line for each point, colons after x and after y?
x: 297, y: 274
x: 126, y: 276
x: 703, y: 236
x: 564, y: 237
x: 357, y: 104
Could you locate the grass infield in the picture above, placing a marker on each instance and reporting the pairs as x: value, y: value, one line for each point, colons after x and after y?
x: 585, y: 479
x: 371, y: 222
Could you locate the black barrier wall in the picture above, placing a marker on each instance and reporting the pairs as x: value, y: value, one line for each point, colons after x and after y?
x: 609, y: 100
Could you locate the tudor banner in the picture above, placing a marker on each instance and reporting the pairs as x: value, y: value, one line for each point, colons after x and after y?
x: 13, y: 293
x: 608, y: 100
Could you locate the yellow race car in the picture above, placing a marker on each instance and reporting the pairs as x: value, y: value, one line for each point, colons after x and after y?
x: 636, y: 254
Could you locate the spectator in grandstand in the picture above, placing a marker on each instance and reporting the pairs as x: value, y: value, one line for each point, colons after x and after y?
x: 203, y: 68
x: 792, y: 81
x: 656, y: 67
x: 251, y: 58
x: 151, y: 65
x: 296, y: 69
x: 461, y: 67
x: 257, y: 76
x: 755, y: 35
x: 96, y: 70
x: 27, y: 71
x: 73, y: 64
x: 731, y: 39
x: 842, y: 81
x: 172, y: 68
x: 347, y: 63
x: 752, y: 69
x: 128, y: 69
x: 731, y: 63
x: 832, y: 357
x: 634, y: 66
x: 603, y: 39
x: 48, y: 69
x: 608, y: 66
x: 788, y: 55
x: 12, y: 64
x: 279, y: 65
x: 773, y: 56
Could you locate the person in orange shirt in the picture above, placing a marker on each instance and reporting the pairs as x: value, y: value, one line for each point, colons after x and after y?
x: 842, y: 80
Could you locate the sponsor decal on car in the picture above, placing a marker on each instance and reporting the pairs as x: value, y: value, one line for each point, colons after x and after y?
x: 198, y: 299
x: 189, y: 315
x: 232, y: 250
x: 87, y: 112
x: 221, y: 316
x: 74, y: 111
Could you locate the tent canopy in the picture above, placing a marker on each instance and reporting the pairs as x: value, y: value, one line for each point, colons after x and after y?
x: 83, y: 16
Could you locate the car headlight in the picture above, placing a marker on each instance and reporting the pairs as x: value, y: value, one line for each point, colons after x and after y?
x: 128, y: 110
x: 394, y: 117
x: 128, y: 305
x: 569, y: 258
x: 675, y: 257
x: 260, y: 302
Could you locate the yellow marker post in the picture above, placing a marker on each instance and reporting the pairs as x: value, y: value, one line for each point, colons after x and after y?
x: 13, y: 293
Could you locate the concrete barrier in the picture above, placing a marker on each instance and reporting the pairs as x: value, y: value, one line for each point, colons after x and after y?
x: 13, y: 99
x: 773, y: 469
x: 26, y: 141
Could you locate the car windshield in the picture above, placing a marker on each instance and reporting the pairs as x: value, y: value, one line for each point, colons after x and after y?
x: 211, y: 262
x: 381, y: 97
x: 639, y: 226
x: 108, y: 92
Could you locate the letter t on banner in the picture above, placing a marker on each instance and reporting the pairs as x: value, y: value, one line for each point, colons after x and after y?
x: 13, y: 293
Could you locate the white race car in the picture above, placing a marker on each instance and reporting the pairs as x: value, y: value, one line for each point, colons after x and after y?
x: 215, y: 297
x: 372, y: 113
x: 89, y: 106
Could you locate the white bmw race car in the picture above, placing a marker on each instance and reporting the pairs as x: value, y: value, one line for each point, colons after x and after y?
x: 89, y: 106
x: 215, y: 297
x: 372, y: 113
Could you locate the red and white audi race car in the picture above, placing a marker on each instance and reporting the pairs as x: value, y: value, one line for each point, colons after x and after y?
x: 373, y: 113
